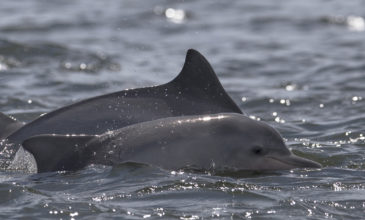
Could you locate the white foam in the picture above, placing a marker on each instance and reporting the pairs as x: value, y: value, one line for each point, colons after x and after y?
x: 23, y: 161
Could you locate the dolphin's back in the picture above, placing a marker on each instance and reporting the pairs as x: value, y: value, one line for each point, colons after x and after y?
x: 195, y: 91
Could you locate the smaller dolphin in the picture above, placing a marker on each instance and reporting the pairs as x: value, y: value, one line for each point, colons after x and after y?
x: 227, y: 140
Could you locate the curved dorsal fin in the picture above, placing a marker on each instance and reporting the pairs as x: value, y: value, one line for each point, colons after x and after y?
x: 197, y: 79
x: 196, y: 69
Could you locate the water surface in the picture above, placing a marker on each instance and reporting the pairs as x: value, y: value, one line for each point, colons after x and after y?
x: 297, y: 65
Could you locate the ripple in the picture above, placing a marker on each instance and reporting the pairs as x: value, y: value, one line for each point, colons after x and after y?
x: 353, y: 23
x: 45, y: 27
x: 18, y: 54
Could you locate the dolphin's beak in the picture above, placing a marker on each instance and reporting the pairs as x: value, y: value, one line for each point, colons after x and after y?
x: 292, y: 161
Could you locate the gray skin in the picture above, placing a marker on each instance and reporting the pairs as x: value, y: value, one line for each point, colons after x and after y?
x: 195, y: 91
x: 8, y: 125
x: 219, y: 141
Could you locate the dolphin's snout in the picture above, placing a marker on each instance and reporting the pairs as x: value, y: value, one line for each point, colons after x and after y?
x: 293, y: 161
x: 302, y: 162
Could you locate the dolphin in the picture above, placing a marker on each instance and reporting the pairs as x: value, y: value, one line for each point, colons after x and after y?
x: 219, y: 141
x: 195, y: 91
x: 8, y: 125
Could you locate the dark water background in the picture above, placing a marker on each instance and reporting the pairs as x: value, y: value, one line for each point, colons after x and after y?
x: 297, y: 65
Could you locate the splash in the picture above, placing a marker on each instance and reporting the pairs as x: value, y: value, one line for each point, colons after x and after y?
x: 23, y: 161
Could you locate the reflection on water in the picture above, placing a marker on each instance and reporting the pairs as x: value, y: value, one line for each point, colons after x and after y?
x: 354, y: 23
x: 173, y: 15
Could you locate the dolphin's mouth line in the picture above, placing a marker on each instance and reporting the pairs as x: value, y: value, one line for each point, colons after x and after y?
x: 284, y: 163
x: 281, y: 160
x: 295, y: 161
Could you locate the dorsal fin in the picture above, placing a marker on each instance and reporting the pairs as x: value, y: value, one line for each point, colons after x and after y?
x: 197, y: 79
x: 196, y: 69
x: 8, y: 125
x: 58, y: 152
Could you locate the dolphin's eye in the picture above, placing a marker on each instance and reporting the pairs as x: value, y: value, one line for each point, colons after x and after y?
x: 257, y: 150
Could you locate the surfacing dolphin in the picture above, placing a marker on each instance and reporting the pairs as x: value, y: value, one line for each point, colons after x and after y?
x: 195, y: 91
x: 219, y: 141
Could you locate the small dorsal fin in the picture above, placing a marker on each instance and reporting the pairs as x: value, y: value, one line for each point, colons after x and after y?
x: 8, y: 125
x: 196, y: 69
x: 197, y: 79
x: 58, y: 152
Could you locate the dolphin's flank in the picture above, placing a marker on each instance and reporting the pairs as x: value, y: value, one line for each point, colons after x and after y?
x: 227, y: 140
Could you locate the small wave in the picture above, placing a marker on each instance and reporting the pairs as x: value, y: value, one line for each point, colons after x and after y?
x: 63, y: 58
x: 50, y: 26
x: 352, y: 22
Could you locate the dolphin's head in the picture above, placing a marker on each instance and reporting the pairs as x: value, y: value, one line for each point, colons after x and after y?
x: 254, y: 145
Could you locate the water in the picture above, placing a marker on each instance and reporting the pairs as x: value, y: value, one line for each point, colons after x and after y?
x: 297, y: 65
